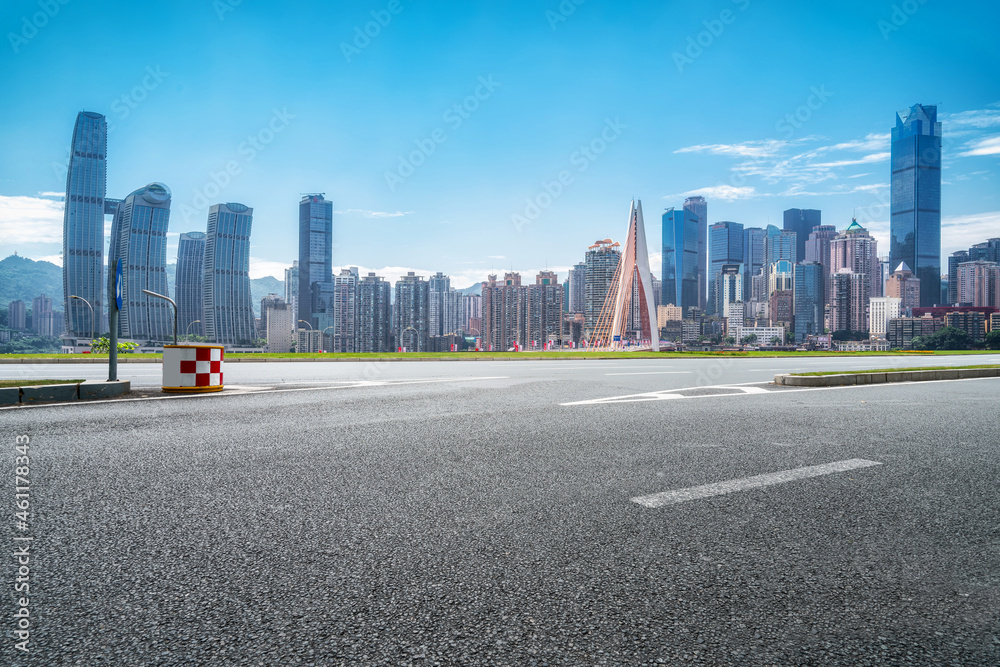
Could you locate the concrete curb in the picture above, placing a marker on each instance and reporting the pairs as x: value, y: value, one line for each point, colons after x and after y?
x: 59, y: 393
x: 881, y: 378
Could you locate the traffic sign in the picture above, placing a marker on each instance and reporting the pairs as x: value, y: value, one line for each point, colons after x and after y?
x: 118, y: 284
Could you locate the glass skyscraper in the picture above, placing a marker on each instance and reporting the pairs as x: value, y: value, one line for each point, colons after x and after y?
x: 189, y: 283
x: 810, y: 291
x: 680, y: 283
x: 725, y: 246
x: 801, y: 221
x: 83, y: 224
x: 228, y: 309
x: 696, y: 211
x: 315, y: 253
x: 915, y: 214
x: 754, y: 245
x: 139, y: 239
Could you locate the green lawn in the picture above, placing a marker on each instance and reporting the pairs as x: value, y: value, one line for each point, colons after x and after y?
x: 34, y: 383
x: 898, y: 370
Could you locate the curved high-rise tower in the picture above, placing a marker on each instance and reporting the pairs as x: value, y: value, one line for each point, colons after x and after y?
x: 227, y: 301
x: 139, y: 239
x: 83, y: 225
x: 189, y: 283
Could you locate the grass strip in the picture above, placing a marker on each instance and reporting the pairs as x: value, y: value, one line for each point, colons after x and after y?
x: 34, y: 383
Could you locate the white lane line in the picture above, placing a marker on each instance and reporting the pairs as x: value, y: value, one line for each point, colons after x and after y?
x: 246, y: 391
x: 665, y: 498
x: 655, y: 373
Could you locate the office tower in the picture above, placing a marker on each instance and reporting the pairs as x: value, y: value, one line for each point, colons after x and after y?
x: 189, y: 284
x: 17, y: 315
x: 680, y: 260
x: 696, y: 214
x: 472, y: 309
x: 944, y: 290
x: 439, y: 313
x: 315, y: 253
x: 344, y: 334
x: 810, y: 292
x: 915, y: 212
x: 374, y: 325
x: 280, y: 327
x: 83, y: 225
x: 504, y: 313
x: 977, y: 283
x: 884, y: 271
x: 578, y: 288
x: 544, y: 311
x: 956, y: 258
x: 817, y: 247
x: 139, y: 240
x: 754, y: 243
x: 780, y: 245
x: 602, y: 262
x: 725, y: 246
x: 292, y: 289
x: 40, y: 305
x: 781, y: 308
x: 802, y: 221
x: 780, y: 277
x: 411, y: 323
x: 987, y: 251
x: 227, y: 306
x: 881, y: 310
x: 903, y: 285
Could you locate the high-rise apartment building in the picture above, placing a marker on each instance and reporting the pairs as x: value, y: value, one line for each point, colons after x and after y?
x: 680, y: 269
x: 315, y: 253
x: 292, y: 290
x: 139, y: 240
x: 228, y: 308
x: 601, y: 261
x: 280, y: 328
x: 41, y: 305
x: 345, y: 311
x: 83, y: 225
x: 505, y: 310
x: 851, y: 296
x: 544, y: 311
x: 577, y: 288
x: 977, y: 283
x: 411, y: 321
x: 754, y: 260
x: 903, y: 285
x: 440, y: 313
x: 472, y: 309
x: 729, y: 288
x: 915, y: 211
x: 189, y: 283
x: 881, y: 310
x: 374, y: 325
x: 696, y: 213
x: 17, y: 316
x: 725, y: 246
x: 801, y: 221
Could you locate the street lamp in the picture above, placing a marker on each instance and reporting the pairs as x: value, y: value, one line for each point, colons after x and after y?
x: 73, y: 296
x: 322, y: 336
x: 310, y: 329
x: 403, y: 332
x: 188, y: 330
x: 172, y: 303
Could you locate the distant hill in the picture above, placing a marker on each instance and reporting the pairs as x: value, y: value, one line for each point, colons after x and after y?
x: 24, y: 279
x: 261, y: 287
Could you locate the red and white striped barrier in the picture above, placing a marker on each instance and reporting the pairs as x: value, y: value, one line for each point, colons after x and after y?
x: 192, y: 368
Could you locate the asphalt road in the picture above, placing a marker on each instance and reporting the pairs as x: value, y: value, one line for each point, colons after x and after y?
x: 482, y: 513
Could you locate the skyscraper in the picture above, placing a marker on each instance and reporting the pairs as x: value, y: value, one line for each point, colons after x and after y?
x: 754, y: 244
x: 725, y: 246
x: 439, y: 313
x: 505, y: 307
x: 374, y: 326
x: 855, y: 249
x: 577, y: 288
x: 292, y: 290
x: 17, y: 316
x: 680, y: 260
x: 602, y: 261
x: 189, y: 283
x: 779, y: 245
x: 904, y: 286
x: 228, y: 308
x: 139, y: 240
x: 345, y: 287
x: 696, y: 212
x: 801, y: 221
x: 915, y: 212
x: 315, y: 253
x: 41, y: 305
x: 544, y: 310
x: 411, y: 321
x: 83, y: 224
x: 809, y: 300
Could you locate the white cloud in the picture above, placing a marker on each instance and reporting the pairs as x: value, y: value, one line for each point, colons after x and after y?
x: 761, y: 148
x: 987, y: 146
x: 976, y: 118
x: 55, y: 259
x: 962, y: 231
x: 721, y: 192
x: 374, y: 214
x: 261, y: 268
x: 867, y: 159
x: 30, y: 220
x: 59, y: 195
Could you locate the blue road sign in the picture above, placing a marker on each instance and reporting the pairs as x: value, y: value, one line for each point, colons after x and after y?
x: 118, y: 284
x: 618, y: 339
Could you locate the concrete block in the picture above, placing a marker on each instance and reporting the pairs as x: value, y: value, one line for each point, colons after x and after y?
x: 947, y: 374
x: 871, y: 378
x: 10, y: 395
x: 49, y: 392
x: 94, y: 390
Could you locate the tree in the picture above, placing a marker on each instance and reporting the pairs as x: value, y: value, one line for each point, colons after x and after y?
x: 993, y: 340
x: 775, y: 340
x: 103, y: 346
x: 948, y: 338
x: 749, y: 339
x: 729, y: 340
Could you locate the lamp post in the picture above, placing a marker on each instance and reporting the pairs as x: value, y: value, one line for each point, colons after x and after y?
x: 172, y: 303
x: 403, y: 332
x: 310, y: 329
x: 322, y: 336
x: 188, y: 329
x: 73, y: 296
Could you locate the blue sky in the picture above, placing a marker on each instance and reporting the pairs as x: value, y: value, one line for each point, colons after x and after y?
x: 758, y: 106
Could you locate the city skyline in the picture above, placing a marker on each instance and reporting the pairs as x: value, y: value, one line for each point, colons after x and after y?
x: 494, y: 128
